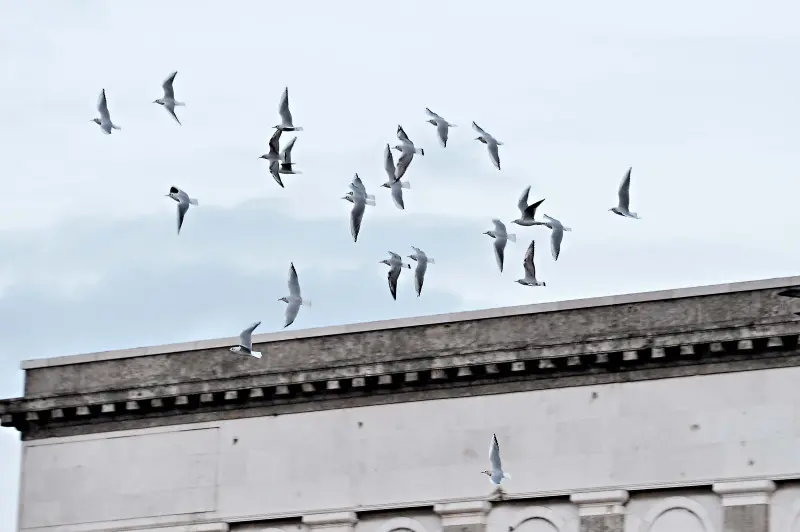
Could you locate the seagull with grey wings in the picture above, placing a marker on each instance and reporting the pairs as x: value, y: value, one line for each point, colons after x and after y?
x: 274, y: 156
x: 496, y: 474
x: 442, y: 126
x: 407, y: 151
x: 183, y: 200
x: 394, y: 184
x: 501, y: 238
x: 528, y: 211
x: 104, y: 121
x: 168, y: 101
x: 556, y: 234
x: 491, y: 144
x: 530, y: 269
x: 246, y: 342
x: 360, y: 199
x: 294, y: 299
x: 395, y: 264
x: 624, y: 193
x: 286, y: 116
x: 285, y: 158
x: 422, y: 266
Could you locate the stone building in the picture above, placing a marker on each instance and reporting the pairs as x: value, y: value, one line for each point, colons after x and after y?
x: 670, y: 411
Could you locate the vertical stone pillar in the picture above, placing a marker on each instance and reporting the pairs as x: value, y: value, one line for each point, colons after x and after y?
x: 601, y: 511
x: 333, y: 522
x: 469, y: 516
x: 745, y: 504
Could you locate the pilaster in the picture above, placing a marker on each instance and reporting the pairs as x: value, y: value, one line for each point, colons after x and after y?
x: 331, y: 522
x: 745, y: 504
x: 601, y: 511
x: 468, y: 516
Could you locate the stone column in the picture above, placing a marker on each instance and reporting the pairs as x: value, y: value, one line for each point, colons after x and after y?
x: 469, y: 516
x: 601, y: 511
x: 745, y: 504
x: 333, y: 522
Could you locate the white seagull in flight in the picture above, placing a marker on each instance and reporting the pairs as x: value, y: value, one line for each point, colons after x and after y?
x: 422, y: 266
x: 294, y: 299
x: 105, y: 117
x: 407, y: 151
x: 246, y: 342
x: 360, y: 199
x: 184, y: 201
x: 394, y: 183
x: 496, y: 474
x: 168, y: 101
x: 530, y: 269
x: 623, y: 207
x: 501, y: 238
x: 491, y: 144
x: 286, y: 115
x: 395, y: 263
x: 442, y: 126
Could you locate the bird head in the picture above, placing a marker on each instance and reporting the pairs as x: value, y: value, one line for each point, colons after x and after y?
x: 431, y: 121
x: 285, y: 300
x: 385, y: 261
x: 387, y: 185
x: 160, y: 101
x: 397, y: 147
x: 95, y: 120
x: 481, y: 139
x: 412, y: 257
x: 487, y: 473
x: 348, y: 198
x: 488, y: 233
x: 520, y: 281
x: 517, y: 221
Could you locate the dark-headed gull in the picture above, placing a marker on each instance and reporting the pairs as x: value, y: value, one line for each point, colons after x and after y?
x: 246, y: 342
x: 491, y: 144
x: 274, y: 156
x: 168, y: 100
x: 556, y: 234
x: 286, y: 115
x: 294, y: 299
x: 394, y: 183
x: 395, y: 263
x: 496, y: 474
x: 285, y: 158
x: 622, y: 207
x: 407, y: 151
x: 422, y: 266
x: 184, y: 201
x: 530, y: 269
x: 442, y: 126
x: 528, y: 212
x: 360, y: 199
x: 501, y: 237
x: 105, y: 117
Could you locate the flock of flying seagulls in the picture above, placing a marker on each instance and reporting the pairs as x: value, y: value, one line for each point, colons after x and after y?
x: 280, y: 163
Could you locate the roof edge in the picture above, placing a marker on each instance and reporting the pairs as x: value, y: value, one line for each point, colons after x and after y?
x: 434, y: 319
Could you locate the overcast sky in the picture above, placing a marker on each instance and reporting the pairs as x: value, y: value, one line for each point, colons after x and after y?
x: 700, y: 98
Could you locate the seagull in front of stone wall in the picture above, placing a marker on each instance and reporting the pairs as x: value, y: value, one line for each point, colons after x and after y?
x: 442, y: 126
x: 105, y: 117
x: 294, y: 299
x: 528, y: 212
x: 184, y: 201
x: 496, y: 474
x: 395, y: 263
x: 530, y: 269
x: 286, y: 116
x: 168, y: 100
x: 422, y: 266
x: 407, y: 151
x: 624, y: 200
x: 501, y: 238
x: 491, y: 144
x: 246, y: 342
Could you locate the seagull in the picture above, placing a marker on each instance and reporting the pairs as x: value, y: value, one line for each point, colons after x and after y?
x: 501, y: 237
x: 105, y: 117
x: 183, y: 200
x: 360, y: 199
x: 395, y: 263
x: 625, y: 198
x: 274, y: 157
x: 407, y: 150
x: 168, y: 101
x: 422, y: 265
x: 286, y: 159
x: 491, y: 144
x: 394, y: 183
x: 496, y: 475
x: 246, y: 342
x: 442, y: 126
x: 294, y: 299
x: 286, y: 115
x: 530, y: 269
x: 528, y: 211
x: 556, y: 235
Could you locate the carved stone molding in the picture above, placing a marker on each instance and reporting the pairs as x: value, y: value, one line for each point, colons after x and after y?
x: 467, y: 516
x: 331, y: 522
x: 745, y: 492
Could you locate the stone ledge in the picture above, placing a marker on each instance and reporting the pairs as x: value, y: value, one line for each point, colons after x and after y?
x: 744, y: 493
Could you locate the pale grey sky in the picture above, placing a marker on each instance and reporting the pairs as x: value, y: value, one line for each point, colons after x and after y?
x: 699, y: 97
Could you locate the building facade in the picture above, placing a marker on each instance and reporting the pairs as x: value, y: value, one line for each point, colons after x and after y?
x: 671, y: 411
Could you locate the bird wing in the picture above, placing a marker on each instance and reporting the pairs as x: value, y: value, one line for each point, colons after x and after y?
x: 356, y: 215
x: 393, y: 275
x: 283, y: 108
x: 246, y: 336
x: 183, y: 206
x: 401, y: 134
x: 397, y: 195
x: 169, y: 93
x: 527, y: 262
x: 274, y: 143
x: 286, y: 154
x: 624, y: 191
x: 102, y: 106
x: 555, y: 240
x: 494, y: 454
x: 523, y: 200
x: 395, y: 256
x: 479, y: 129
x: 419, y: 275
x: 171, y: 110
x: 530, y: 210
x: 402, y: 164
x: 494, y: 154
x: 388, y: 163
x: 443, y: 130
x: 357, y: 184
x: 500, y: 251
x: 291, y: 313
x: 294, y: 283
x: 432, y: 114
x: 274, y: 169
x: 500, y: 227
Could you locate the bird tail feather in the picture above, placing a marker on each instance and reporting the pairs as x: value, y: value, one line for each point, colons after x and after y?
x: 567, y: 229
x: 115, y: 127
x: 506, y: 475
x: 405, y: 184
x: 298, y: 128
x: 193, y: 201
x: 256, y: 354
x: 431, y: 261
x: 512, y: 237
x: 306, y: 302
x: 180, y: 104
x: 421, y: 151
x: 370, y: 201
